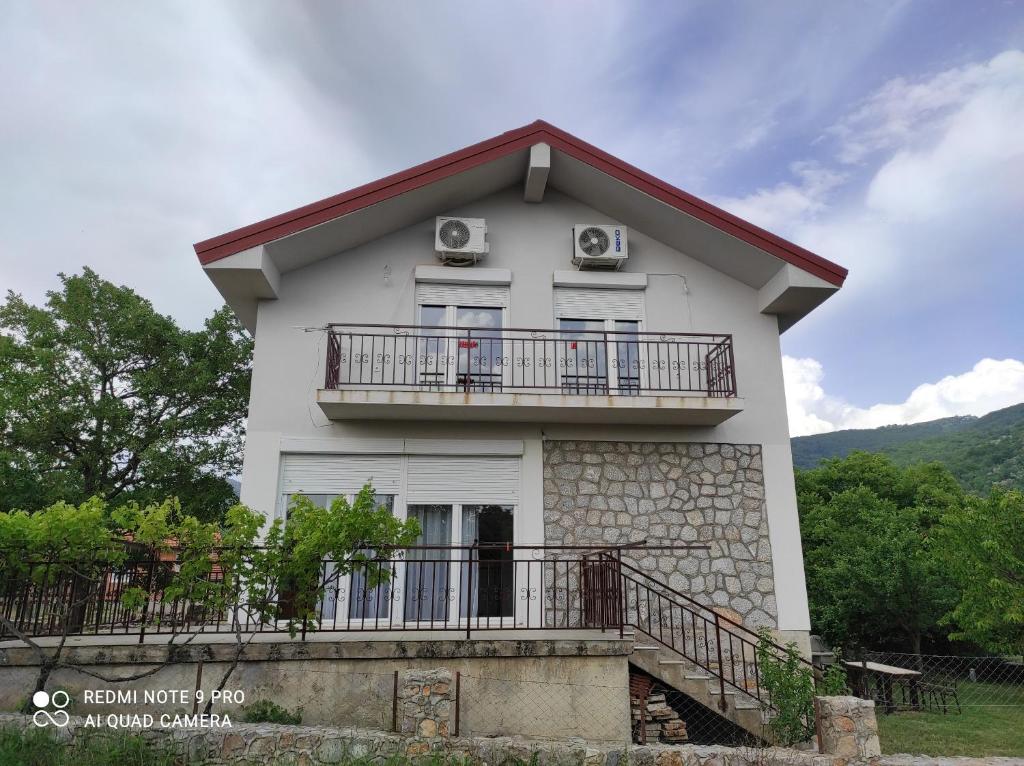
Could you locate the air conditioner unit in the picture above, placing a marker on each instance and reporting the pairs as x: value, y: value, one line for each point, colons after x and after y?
x: 598, y: 246
x: 460, y: 241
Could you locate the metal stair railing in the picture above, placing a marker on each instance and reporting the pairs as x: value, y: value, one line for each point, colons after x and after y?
x: 722, y: 647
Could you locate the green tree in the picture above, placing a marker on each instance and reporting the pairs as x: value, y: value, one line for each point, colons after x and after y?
x: 102, y: 396
x: 874, y: 577
x: 235, y: 571
x: 982, y: 547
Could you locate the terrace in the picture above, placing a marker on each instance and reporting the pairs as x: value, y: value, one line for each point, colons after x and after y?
x: 574, y: 374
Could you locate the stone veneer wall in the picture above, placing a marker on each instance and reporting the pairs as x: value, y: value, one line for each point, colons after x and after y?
x: 426, y: 699
x: 598, y: 492
x: 847, y: 727
x: 317, y: 745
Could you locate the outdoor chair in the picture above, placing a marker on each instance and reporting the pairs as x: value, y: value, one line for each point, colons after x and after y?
x: 939, y: 695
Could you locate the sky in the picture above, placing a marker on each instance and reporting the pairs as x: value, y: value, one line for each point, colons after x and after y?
x: 886, y: 136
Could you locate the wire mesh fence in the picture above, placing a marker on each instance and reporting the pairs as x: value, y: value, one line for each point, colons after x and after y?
x: 505, y: 703
x: 936, y: 683
x: 663, y: 714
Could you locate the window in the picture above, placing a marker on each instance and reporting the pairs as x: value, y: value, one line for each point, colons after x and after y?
x: 353, y: 595
x: 458, y: 499
x: 428, y: 581
x: 600, y: 349
x: 598, y: 355
x: 461, y: 346
x: 480, y: 580
x: 488, y: 579
x: 369, y: 594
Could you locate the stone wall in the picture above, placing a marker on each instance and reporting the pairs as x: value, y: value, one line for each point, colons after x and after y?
x: 847, y: 727
x: 622, y: 492
x: 315, y: 746
x: 426, y: 704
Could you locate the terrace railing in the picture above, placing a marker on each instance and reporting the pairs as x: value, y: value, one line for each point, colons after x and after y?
x: 463, y: 589
x: 485, y: 360
x: 423, y: 587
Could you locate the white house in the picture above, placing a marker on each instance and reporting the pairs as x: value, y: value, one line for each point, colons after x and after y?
x: 587, y: 356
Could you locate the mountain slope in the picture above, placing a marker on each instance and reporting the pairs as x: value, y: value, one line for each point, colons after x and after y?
x: 980, y: 452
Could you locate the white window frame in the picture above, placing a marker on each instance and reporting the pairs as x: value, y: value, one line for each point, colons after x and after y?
x: 450, y: 319
x: 396, y: 613
x: 455, y: 578
x: 594, y: 307
x: 341, y: 603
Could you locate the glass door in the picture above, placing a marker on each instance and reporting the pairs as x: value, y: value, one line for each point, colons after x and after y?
x: 599, y: 356
x: 433, y: 354
x: 370, y: 585
x: 288, y: 593
x: 476, y: 584
x: 429, y: 585
x: 626, y: 361
x: 583, y: 356
x: 480, y: 348
x: 487, y: 583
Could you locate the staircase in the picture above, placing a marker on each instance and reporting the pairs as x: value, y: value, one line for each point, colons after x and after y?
x: 698, y: 684
x: 689, y: 646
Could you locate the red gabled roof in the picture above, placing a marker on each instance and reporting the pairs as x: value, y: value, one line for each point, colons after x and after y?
x: 392, y: 186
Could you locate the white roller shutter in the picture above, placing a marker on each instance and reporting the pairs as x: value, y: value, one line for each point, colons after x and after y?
x: 493, y: 296
x: 580, y: 303
x: 450, y: 479
x: 340, y: 474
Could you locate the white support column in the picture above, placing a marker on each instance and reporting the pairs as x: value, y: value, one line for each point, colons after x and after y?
x: 260, y: 472
x: 784, y: 535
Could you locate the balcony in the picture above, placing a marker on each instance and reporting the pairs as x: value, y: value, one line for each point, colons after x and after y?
x: 406, y: 372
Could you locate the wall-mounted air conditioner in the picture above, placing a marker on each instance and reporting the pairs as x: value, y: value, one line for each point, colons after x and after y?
x: 460, y: 241
x: 598, y: 246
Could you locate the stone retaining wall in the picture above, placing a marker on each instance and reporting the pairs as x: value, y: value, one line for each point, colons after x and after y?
x: 622, y: 492
x: 314, y: 746
x: 426, y: 704
x: 542, y: 688
x: 847, y: 727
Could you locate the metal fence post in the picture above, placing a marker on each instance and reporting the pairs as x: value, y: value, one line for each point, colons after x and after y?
x: 458, y: 700
x: 469, y: 594
x: 149, y: 595
x: 199, y: 683
x: 721, y: 666
x: 394, y: 705
x: 620, y: 592
x: 469, y: 360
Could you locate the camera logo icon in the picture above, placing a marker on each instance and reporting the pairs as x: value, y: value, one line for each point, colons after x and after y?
x: 59, y: 699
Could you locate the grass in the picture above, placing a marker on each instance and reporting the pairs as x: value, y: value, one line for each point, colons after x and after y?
x: 981, y: 730
x: 37, y: 748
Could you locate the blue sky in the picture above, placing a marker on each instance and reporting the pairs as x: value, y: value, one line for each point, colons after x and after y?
x: 888, y: 136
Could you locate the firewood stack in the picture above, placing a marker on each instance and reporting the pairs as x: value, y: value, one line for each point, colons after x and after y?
x: 659, y: 720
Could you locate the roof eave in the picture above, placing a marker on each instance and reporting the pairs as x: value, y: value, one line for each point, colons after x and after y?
x: 291, y: 222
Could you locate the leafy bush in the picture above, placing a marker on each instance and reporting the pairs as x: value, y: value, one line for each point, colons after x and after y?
x: 790, y: 686
x: 38, y: 748
x: 267, y: 711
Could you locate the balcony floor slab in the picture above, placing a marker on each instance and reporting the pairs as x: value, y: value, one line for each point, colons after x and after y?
x: 522, y: 407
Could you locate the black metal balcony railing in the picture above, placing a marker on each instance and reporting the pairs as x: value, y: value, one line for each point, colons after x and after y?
x: 485, y: 360
x: 464, y: 589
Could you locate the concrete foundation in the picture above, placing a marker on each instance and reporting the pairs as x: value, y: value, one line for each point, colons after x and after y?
x: 558, y: 687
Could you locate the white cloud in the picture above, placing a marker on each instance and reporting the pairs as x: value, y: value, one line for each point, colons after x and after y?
x: 944, y: 190
x: 777, y: 207
x: 900, y: 111
x: 990, y: 385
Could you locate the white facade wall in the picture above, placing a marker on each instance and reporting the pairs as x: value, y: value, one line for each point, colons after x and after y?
x: 532, y: 241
